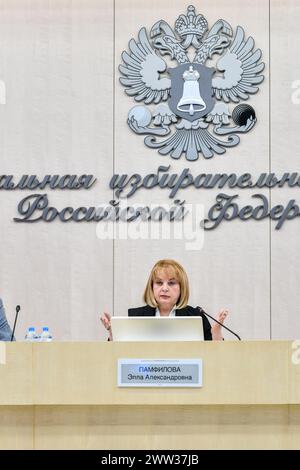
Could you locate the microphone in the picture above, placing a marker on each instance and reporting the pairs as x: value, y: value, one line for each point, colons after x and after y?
x: 18, y: 308
x: 226, y: 328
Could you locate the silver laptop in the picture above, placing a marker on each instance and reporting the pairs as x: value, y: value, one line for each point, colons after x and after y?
x: 157, y: 328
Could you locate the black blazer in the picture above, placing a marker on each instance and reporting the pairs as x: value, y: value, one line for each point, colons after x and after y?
x: 187, y: 311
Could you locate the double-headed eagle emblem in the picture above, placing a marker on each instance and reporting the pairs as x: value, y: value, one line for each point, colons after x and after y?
x: 190, y: 106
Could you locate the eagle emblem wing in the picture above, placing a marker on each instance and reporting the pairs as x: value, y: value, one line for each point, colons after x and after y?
x: 141, y: 72
x: 241, y: 67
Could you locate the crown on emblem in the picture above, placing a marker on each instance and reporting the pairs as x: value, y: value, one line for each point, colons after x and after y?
x: 190, y: 23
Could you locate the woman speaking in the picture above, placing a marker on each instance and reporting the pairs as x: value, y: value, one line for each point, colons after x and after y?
x: 166, y: 294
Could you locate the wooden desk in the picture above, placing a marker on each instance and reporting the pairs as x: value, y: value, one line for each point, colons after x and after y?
x: 65, y: 396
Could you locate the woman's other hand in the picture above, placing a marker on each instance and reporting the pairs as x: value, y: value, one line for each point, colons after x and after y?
x: 216, y: 329
x: 105, y: 320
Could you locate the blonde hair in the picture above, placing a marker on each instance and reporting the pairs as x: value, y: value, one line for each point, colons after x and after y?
x: 179, y: 274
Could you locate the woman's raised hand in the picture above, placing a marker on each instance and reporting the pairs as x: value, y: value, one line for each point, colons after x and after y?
x: 217, y: 329
x: 105, y: 320
x: 222, y: 315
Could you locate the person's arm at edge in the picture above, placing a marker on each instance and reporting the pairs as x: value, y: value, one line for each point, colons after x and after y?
x: 5, y: 330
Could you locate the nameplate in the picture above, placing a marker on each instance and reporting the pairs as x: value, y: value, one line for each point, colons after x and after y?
x: 160, y: 373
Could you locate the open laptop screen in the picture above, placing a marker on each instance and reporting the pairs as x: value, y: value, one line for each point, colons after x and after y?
x: 157, y: 328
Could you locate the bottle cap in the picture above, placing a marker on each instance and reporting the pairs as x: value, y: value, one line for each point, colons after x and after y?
x: 31, y: 328
x: 45, y: 328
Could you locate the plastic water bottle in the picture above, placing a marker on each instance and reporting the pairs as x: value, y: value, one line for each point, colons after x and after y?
x: 45, y: 335
x: 31, y: 335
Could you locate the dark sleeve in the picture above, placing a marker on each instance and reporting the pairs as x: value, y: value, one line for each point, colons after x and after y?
x: 131, y: 312
x: 206, y: 328
x: 206, y: 324
x: 145, y: 311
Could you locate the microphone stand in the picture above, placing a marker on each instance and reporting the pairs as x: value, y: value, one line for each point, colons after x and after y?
x: 226, y: 328
x: 18, y: 308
